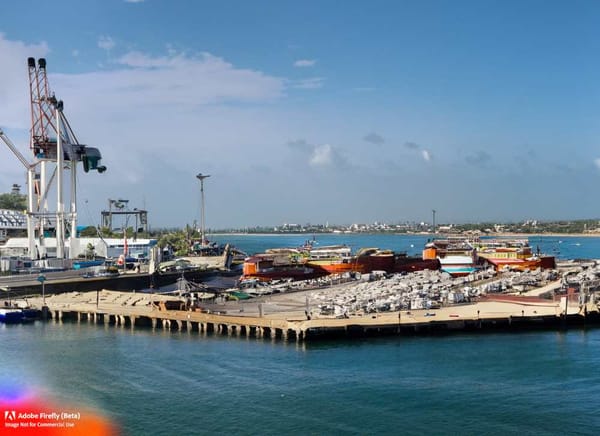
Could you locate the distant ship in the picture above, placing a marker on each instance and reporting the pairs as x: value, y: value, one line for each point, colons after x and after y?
x: 308, y: 262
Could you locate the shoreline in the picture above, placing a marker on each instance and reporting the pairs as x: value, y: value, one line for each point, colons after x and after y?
x: 491, y: 235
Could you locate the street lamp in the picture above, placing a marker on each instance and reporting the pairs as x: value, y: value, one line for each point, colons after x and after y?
x: 42, y: 278
x: 201, y: 177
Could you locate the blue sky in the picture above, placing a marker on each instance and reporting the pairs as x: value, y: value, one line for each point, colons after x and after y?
x: 319, y: 111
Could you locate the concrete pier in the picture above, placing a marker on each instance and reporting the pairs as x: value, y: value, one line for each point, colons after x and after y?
x: 122, y: 309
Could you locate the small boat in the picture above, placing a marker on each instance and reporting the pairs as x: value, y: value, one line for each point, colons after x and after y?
x: 11, y: 316
x: 215, y: 255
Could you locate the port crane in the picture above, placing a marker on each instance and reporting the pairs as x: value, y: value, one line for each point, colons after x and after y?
x: 55, y: 150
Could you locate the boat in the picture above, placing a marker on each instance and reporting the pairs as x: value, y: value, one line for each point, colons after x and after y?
x: 11, y: 316
x: 333, y: 259
x: 307, y: 262
x: 405, y: 264
x: 278, y: 264
x: 215, y: 255
x: 457, y: 256
x: 514, y: 254
x: 462, y: 256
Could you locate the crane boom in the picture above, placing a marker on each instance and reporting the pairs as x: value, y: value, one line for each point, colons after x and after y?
x: 15, y: 150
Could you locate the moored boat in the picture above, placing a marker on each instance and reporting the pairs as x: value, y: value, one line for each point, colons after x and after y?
x: 11, y: 316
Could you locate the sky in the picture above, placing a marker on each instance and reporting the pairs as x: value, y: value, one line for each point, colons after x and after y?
x: 318, y: 111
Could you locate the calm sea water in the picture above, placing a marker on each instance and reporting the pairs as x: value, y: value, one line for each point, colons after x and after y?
x: 564, y: 247
x: 167, y: 383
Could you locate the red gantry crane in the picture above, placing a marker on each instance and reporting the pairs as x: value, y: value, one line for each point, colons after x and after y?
x: 55, y: 150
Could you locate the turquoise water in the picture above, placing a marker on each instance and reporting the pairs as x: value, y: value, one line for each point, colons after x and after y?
x: 179, y: 383
x: 167, y: 383
x: 563, y: 247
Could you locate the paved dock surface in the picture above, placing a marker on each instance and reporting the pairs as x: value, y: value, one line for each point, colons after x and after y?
x: 283, y: 314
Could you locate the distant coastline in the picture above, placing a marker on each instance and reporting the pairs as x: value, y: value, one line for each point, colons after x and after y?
x: 493, y: 235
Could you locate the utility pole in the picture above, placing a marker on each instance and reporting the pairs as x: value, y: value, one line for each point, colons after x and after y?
x: 201, y: 177
x: 433, y: 211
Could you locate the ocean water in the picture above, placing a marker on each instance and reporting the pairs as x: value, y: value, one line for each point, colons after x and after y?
x: 563, y: 247
x: 179, y: 383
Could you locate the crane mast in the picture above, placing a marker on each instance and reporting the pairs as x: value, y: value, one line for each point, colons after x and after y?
x: 55, y: 149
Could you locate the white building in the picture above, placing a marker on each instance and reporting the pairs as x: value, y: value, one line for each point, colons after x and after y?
x: 105, y: 247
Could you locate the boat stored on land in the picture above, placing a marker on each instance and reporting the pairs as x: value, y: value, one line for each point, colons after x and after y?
x: 462, y: 256
x: 307, y: 263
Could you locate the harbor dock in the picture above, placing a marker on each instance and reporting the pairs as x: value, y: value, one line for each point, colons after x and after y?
x: 67, y: 281
x: 286, y: 317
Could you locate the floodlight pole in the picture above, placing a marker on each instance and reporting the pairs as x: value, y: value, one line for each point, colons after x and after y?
x: 201, y: 177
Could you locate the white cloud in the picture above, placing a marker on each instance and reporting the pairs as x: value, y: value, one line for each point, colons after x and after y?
x: 134, y: 1
x: 305, y: 63
x: 152, y: 83
x: 322, y: 155
x: 312, y: 83
x: 106, y: 43
x: 426, y: 155
x: 316, y: 156
x: 597, y: 162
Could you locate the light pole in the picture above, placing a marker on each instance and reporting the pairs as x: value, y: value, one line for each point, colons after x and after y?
x: 42, y: 278
x: 136, y: 224
x: 433, y: 211
x: 201, y: 177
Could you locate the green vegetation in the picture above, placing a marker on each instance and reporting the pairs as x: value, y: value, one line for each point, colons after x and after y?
x: 177, y: 240
x: 13, y: 201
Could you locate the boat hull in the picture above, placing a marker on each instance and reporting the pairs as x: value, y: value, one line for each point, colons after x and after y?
x: 11, y: 316
x: 265, y: 268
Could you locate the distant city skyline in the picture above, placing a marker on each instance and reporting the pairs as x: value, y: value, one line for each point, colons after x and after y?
x: 318, y: 111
